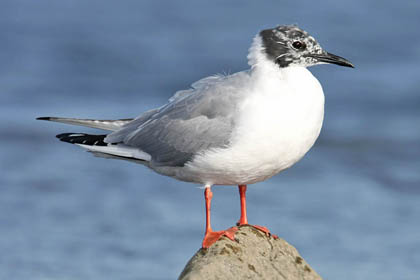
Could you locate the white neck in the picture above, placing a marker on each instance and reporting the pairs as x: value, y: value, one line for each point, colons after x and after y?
x: 263, y: 69
x: 257, y: 58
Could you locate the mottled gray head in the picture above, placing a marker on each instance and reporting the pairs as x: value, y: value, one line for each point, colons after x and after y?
x: 289, y: 45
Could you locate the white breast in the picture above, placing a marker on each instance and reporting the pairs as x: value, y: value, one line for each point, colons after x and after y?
x: 277, y: 124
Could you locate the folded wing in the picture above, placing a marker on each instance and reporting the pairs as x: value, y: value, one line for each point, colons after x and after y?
x: 193, y: 121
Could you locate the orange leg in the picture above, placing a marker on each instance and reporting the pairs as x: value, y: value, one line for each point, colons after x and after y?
x: 212, y: 236
x: 242, y: 194
x: 243, y: 220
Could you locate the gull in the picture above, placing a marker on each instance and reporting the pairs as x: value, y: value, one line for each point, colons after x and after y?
x: 236, y: 129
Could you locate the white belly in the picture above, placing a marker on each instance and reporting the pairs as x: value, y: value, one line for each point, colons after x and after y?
x: 276, y: 126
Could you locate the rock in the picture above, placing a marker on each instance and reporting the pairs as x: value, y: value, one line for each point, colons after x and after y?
x: 254, y: 256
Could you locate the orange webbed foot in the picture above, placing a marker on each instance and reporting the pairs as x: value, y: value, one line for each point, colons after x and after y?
x: 212, y: 236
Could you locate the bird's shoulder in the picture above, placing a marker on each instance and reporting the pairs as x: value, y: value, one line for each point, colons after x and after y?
x: 219, y: 89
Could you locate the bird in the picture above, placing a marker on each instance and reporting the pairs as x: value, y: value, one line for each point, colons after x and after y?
x: 236, y: 129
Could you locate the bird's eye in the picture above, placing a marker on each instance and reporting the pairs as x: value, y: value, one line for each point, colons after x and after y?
x: 298, y: 45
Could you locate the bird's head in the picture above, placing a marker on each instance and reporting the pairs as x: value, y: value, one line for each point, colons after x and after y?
x: 288, y: 45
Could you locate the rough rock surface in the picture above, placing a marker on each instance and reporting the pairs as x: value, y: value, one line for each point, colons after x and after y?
x: 253, y: 256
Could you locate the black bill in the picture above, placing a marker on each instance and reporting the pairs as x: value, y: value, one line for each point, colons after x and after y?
x: 332, y: 58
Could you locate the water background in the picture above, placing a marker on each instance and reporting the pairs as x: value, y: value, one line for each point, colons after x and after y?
x: 351, y: 206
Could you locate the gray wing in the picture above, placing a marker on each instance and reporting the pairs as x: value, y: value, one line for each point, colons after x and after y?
x: 194, y: 120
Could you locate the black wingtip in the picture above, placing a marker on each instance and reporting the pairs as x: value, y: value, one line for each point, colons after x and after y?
x: 59, y: 136
x: 65, y: 137
x: 82, y: 138
x: 43, y: 118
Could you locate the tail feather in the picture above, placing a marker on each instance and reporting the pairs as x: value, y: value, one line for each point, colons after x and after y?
x: 110, y: 125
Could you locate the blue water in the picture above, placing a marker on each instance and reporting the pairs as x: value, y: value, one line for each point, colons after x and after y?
x: 351, y: 206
